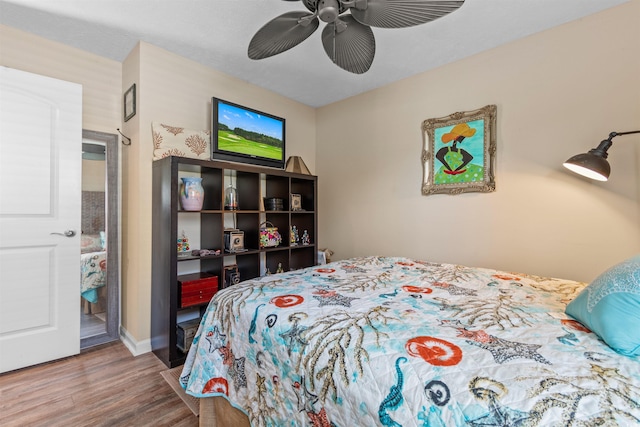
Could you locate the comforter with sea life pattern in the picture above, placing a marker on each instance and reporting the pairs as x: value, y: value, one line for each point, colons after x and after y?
x: 397, y: 342
x: 93, y: 274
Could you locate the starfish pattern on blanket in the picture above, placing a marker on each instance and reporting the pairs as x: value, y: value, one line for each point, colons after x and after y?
x: 216, y: 339
x: 455, y: 290
x: 306, y: 399
x: 501, y: 416
x: 293, y: 337
x: 326, y: 297
x: 503, y: 350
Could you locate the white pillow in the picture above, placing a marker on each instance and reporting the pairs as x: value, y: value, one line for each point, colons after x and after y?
x: 176, y: 141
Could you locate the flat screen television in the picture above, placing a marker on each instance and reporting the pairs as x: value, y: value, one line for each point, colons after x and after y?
x: 241, y: 134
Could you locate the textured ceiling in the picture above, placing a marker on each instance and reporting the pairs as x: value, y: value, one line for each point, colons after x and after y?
x: 216, y: 33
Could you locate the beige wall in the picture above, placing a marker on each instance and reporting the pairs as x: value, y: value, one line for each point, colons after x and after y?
x: 100, y: 78
x: 93, y: 175
x: 558, y: 93
x: 176, y: 91
x: 134, y: 262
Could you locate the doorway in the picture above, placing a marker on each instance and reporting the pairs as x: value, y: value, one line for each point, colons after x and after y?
x: 99, y: 246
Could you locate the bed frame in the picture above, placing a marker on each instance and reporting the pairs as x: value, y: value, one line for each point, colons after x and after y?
x: 218, y: 412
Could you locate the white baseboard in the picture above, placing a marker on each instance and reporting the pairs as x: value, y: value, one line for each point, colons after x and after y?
x: 135, y: 347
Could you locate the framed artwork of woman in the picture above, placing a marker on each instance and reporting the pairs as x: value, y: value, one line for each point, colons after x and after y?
x: 459, y: 152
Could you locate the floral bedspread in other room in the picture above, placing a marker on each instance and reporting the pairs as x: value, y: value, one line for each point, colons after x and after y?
x: 397, y: 342
x: 93, y: 274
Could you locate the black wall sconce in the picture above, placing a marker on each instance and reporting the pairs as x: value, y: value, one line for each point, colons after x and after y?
x: 594, y: 164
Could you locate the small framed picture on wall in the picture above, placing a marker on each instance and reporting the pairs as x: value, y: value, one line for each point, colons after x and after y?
x: 130, y: 102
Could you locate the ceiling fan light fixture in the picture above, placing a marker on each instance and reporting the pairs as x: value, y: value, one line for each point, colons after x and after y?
x: 328, y: 10
x: 327, y: 15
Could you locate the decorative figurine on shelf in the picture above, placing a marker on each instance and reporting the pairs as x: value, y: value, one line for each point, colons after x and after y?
x: 268, y: 273
x: 231, y: 198
x: 183, y: 245
x: 305, y: 238
x: 294, y: 236
x: 279, y: 269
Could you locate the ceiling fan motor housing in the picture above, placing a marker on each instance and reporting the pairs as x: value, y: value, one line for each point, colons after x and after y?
x: 328, y: 10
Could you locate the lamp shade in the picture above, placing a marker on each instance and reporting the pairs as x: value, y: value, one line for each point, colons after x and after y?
x: 296, y: 164
x: 590, y: 165
x: 594, y: 164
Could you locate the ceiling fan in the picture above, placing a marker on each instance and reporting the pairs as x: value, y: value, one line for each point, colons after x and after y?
x: 347, y: 36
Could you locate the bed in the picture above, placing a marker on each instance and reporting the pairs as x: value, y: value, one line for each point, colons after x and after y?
x: 93, y: 266
x: 398, y: 342
x: 93, y: 274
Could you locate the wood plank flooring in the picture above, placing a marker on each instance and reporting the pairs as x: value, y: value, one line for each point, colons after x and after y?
x: 91, y: 325
x: 103, y: 386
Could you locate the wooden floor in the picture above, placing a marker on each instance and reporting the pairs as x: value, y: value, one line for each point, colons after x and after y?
x: 104, y: 386
x: 91, y: 325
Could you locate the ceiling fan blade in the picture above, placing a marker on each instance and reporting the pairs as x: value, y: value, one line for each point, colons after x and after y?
x: 403, y: 13
x: 281, y: 34
x: 351, y: 49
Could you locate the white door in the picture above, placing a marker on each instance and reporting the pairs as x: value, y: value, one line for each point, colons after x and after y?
x: 40, y: 174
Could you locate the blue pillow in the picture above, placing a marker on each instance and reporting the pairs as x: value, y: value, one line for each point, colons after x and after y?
x: 610, y: 307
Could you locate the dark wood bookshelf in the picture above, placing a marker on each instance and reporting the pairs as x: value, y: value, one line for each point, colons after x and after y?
x: 253, y: 183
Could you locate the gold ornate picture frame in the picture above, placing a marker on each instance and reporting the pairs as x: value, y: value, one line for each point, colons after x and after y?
x: 459, y: 152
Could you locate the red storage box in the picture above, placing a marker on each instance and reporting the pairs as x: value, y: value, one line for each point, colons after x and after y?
x: 197, y: 289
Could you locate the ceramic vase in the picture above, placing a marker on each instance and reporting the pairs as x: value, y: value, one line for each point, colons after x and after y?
x: 191, y: 194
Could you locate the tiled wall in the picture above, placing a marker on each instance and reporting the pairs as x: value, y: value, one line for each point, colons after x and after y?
x: 93, y: 212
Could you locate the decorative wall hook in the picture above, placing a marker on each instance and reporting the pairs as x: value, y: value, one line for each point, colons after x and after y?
x: 124, y: 136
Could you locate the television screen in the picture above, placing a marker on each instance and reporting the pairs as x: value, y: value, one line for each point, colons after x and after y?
x: 242, y: 134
